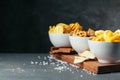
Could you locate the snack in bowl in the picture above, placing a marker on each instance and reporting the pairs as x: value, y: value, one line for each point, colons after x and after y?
x: 79, y: 39
x: 59, y: 34
x: 106, y: 46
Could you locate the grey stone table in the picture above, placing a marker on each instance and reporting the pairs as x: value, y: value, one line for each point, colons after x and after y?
x: 43, y: 67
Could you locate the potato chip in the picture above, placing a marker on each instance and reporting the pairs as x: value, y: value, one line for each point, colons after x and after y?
x: 115, y: 38
x: 86, y: 55
x: 58, y: 29
x: 79, y: 59
x: 107, y: 35
x: 99, y: 32
x: 65, y: 26
x: 117, y: 32
x: 51, y: 29
x: 98, y: 38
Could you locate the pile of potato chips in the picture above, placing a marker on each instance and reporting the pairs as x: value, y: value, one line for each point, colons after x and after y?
x: 63, y: 28
x: 73, y: 28
x: 107, y: 36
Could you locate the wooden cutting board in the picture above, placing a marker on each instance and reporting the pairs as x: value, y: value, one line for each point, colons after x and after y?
x: 67, y: 55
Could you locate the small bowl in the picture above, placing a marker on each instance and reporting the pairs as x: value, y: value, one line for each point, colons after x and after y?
x: 59, y: 40
x: 105, y: 52
x: 79, y: 44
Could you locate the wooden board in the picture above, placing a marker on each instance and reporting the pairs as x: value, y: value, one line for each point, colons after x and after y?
x: 62, y: 50
x: 90, y: 65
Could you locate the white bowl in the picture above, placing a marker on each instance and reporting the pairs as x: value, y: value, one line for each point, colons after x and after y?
x: 59, y: 40
x: 79, y: 44
x: 105, y: 52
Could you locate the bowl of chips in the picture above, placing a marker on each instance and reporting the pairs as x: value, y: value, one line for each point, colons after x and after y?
x: 59, y: 34
x: 106, y: 46
x: 59, y: 40
x: 79, y: 40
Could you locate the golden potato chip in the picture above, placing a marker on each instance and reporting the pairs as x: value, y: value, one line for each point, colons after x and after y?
x: 115, y: 38
x: 99, y: 32
x: 98, y: 38
x: 107, y: 35
x: 117, y: 32
x: 58, y: 29
x: 79, y: 59
x: 51, y: 28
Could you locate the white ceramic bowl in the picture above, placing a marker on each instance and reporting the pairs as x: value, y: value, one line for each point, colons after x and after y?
x: 59, y: 40
x: 79, y: 44
x: 105, y: 52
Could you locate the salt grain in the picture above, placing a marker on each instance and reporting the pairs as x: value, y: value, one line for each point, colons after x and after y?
x: 32, y: 62
x: 36, y: 62
x: 44, y: 58
x: 81, y: 75
x: 39, y: 57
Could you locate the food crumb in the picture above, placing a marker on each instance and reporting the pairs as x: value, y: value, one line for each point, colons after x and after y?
x: 81, y: 75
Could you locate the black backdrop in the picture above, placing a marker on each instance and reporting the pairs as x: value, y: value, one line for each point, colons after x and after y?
x: 24, y: 23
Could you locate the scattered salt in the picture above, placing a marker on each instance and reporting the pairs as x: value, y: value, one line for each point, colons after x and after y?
x: 36, y: 62
x: 44, y: 58
x: 60, y: 66
x: 39, y: 57
x: 32, y: 62
x: 81, y: 75
x: 45, y: 63
x: 74, y: 66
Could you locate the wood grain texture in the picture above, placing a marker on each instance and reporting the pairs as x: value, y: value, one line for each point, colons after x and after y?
x: 91, y: 65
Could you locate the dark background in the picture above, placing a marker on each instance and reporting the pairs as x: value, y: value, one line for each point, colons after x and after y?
x: 24, y: 23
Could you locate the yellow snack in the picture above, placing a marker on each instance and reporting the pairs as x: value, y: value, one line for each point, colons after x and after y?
x: 107, y: 35
x: 98, y: 38
x: 51, y: 29
x: 58, y: 29
x: 99, y: 32
x: 64, y: 28
x: 117, y: 32
x: 115, y: 38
